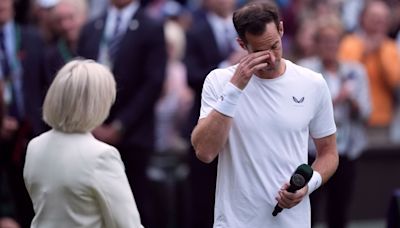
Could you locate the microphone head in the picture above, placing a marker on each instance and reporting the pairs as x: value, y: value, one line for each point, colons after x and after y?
x: 300, y: 177
x: 305, y: 171
x: 297, y: 181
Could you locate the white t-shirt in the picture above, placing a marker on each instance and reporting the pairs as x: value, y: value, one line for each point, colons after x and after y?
x: 267, y: 142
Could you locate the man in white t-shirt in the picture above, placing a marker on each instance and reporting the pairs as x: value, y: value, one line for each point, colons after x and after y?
x: 256, y: 117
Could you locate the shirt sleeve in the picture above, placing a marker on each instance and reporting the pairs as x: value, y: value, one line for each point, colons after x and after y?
x: 209, y: 96
x: 323, y: 123
x: 113, y: 192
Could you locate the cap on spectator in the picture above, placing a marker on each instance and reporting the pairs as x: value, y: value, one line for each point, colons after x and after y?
x: 47, y: 3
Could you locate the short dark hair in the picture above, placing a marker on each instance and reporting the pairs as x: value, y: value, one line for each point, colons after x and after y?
x: 252, y: 18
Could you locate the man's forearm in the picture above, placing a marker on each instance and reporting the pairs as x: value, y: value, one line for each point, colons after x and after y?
x: 210, y: 136
x: 327, y: 159
x: 326, y: 165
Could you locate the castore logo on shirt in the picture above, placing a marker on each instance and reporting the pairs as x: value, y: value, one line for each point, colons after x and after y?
x: 298, y: 101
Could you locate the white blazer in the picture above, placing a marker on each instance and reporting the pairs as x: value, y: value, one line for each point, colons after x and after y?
x: 74, y: 180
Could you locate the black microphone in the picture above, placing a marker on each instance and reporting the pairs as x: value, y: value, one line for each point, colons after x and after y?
x: 299, y: 179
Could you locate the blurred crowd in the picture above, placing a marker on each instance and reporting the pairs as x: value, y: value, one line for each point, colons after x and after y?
x: 160, y: 52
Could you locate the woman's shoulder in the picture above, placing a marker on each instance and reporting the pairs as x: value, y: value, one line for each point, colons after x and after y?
x: 78, y: 142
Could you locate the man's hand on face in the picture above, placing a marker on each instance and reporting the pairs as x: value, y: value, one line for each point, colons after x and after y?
x: 249, y: 64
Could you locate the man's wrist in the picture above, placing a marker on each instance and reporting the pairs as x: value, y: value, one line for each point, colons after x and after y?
x: 315, y: 182
x: 228, y: 100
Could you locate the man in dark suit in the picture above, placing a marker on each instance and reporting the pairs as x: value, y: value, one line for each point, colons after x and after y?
x: 133, y: 46
x: 210, y: 43
x: 21, y: 69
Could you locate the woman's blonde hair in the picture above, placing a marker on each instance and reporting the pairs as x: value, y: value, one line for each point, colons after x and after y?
x: 80, y: 97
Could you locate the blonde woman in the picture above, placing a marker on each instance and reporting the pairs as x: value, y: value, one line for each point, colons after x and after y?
x: 73, y: 179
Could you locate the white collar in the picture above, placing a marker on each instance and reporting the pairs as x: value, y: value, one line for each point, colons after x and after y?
x: 126, y: 14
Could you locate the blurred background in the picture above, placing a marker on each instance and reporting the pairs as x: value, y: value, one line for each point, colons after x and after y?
x: 356, y: 37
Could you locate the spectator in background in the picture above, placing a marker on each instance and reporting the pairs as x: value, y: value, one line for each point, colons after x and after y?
x: 173, y: 11
x: 176, y: 100
x: 133, y: 46
x: 211, y: 42
x: 23, y: 11
x: 348, y: 85
x: 300, y: 17
x: 170, y: 10
x: 350, y: 15
x: 371, y: 46
x: 69, y: 16
x: 73, y: 179
x: 155, y: 8
x: 293, y: 12
x: 21, y: 69
x: 302, y: 45
x: 6, y: 204
x: 41, y: 11
x: 96, y: 8
x: 168, y: 169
